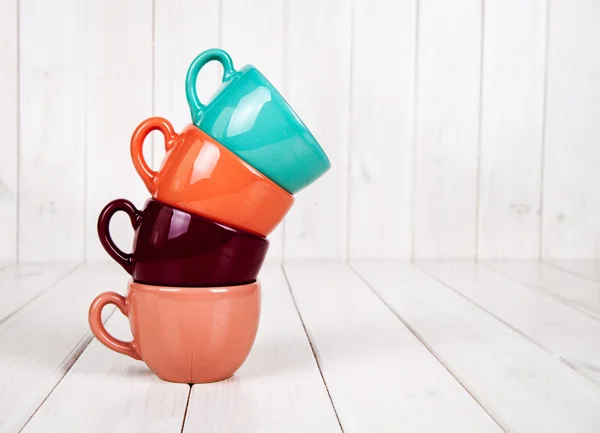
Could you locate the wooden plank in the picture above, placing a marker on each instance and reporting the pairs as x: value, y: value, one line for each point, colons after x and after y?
x: 523, y: 387
x: 52, y: 130
x: 9, y: 110
x: 364, y: 350
x: 182, y: 30
x: 512, y: 110
x: 572, y: 154
x: 261, y: 22
x: 446, y: 128
x: 108, y: 392
x: 589, y: 269
x: 19, y: 284
x: 557, y: 328
x: 316, y: 83
x: 40, y: 343
x: 568, y: 288
x: 280, y: 373
x: 381, y: 121
x: 119, y: 96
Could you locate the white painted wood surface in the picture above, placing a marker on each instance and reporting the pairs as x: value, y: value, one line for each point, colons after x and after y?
x: 380, y: 377
x: 40, y: 343
x: 512, y: 113
x: 52, y: 123
x: 317, y: 68
x: 381, y: 128
x: 21, y: 284
x: 575, y: 291
x: 9, y: 142
x: 589, y: 269
x: 522, y: 386
x: 447, y: 129
x: 108, y: 392
x: 556, y: 327
x: 279, y: 388
x: 437, y: 117
x: 572, y: 154
x: 410, y: 354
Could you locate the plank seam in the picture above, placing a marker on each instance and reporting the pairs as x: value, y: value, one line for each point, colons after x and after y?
x: 429, y: 348
x: 18, y: 126
x: 37, y: 296
x: 568, y: 271
x: 349, y: 140
x: 543, y: 138
x: 479, y: 134
x: 187, y: 405
x: 414, y: 159
x: 542, y: 291
x: 312, y: 347
x: 508, y: 325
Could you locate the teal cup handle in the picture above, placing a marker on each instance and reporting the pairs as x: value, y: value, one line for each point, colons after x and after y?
x: 196, y: 107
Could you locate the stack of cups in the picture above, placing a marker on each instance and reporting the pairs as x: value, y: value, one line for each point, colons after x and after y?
x: 227, y: 180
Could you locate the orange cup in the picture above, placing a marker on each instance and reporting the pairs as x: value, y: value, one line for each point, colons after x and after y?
x: 202, y: 176
x: 184, y: 334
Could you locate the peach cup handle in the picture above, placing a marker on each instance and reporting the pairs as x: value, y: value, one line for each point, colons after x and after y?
x: 95, y: 319
x: 137, y: 143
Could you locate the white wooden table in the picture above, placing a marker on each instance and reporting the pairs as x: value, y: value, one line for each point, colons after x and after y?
x: 368, y: 347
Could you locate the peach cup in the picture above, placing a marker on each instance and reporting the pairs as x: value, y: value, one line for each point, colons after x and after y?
x: 184, y: 334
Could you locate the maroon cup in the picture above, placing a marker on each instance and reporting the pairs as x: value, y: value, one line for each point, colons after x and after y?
x: 173, y: 247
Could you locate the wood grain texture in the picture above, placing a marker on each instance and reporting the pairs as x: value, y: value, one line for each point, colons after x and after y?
x: 317, y: 82
x: 572, y: 154
x: 119, y: 96
x: 108, y: 392
x: 570, y: 289
x: 40, y: 343
x: 9, y: 111
x: 589, y: 269
x: 512, y: 110
x: 279, y: 388
x: 557, y: 328
x: 379, y: 375
x: 447, y: 128
x: 381, y: 128
x: 253, y: 33
x: 19, y: 284
x: 52, y: 130
x: 508, y: 375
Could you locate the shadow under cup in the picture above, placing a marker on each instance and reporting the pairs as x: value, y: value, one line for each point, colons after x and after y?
x: 172, y: 247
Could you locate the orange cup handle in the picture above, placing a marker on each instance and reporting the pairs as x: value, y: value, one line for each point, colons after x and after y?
x: 137, y: 144
x: 95, y: 319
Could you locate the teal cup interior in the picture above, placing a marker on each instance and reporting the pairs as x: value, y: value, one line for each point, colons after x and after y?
x: 251, y: 118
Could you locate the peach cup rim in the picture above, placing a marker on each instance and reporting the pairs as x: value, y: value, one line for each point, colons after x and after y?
x: 192, y: 290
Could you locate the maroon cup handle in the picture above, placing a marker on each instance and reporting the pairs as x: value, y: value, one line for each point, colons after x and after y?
x: 124, y: 259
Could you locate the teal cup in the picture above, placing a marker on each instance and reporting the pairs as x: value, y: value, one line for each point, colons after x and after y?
x: 251, y: 118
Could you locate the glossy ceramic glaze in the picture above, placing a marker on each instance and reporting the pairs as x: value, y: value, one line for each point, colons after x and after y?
x: 251, y: 118
x: 172, y: 247
x: 185, y: 335
x: 201, y: 176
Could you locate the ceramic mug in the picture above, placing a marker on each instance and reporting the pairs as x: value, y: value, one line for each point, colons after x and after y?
x: 251, y: 118
x: 184, y: 334
x: 201, y: 176
x: 172, y: 247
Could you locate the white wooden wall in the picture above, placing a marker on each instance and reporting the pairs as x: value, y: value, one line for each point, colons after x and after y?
x: 456, y: 129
